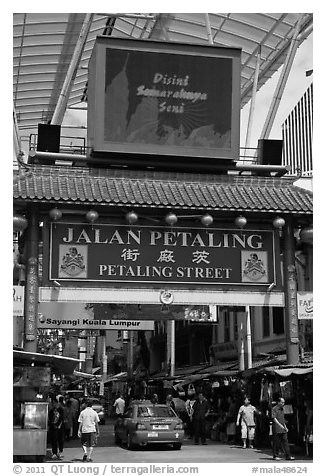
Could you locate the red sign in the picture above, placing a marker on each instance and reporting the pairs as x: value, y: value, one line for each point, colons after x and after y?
x: 145, y: 254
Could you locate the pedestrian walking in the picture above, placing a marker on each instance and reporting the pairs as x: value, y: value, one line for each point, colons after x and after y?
x: 56, y: 428
x: 190, y: 411
x: 88, y: 430
x: 75, y: 414
x: 279, y: 431
x: 200, y: 412
x: 68, y: 419
x: 119, y: 405
x: 231, y: 418
x: 154, y: 398
x: 169, y: 402
x: 248, y: 425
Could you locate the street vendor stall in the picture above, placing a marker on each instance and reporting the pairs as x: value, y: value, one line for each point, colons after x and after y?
x: 32, y: 374
x: 294, y: 384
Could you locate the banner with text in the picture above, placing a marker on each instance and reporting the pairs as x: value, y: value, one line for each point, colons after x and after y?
x: 84, y: 323
x: 145, y: 254
x: 305, y: 305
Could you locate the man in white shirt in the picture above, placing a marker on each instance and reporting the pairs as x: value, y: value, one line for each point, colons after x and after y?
x: 88, y: 430
x: 119, y: 405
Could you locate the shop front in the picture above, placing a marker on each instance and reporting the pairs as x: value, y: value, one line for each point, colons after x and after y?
x: 32, y: 383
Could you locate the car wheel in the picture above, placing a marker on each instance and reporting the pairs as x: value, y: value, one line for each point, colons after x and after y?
x: 177, y: 446
x: 117, y: 439
x: 130, y: 445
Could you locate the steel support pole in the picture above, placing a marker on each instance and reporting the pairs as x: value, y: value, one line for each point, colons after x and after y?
x: 130, y: 355
x: 253, y: 101
x: 282, y: 81
x: 208, y: 29
x: 290, y: 294
x: 31, y: 286
x: 241, y: 343
x: 17, y: 140
x: 172, y: 325
x: 61, y: 106
x: 248, y: 338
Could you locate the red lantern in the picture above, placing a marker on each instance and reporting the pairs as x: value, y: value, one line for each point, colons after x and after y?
x: 171, y: 219
x: 19, y: 222
x: 307, y: 234
x: 131, y: 217
x: 55, y: 214
x: 91, y: 216
x: 207, y: 219
x: 240, y: 222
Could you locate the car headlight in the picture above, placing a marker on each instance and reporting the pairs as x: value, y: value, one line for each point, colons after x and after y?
x: 179, y: 426
x: 140, y: 426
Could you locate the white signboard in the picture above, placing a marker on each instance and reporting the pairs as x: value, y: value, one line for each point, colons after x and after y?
x: 305, y: 305
x: 87, y: 323
x: 18, y: 301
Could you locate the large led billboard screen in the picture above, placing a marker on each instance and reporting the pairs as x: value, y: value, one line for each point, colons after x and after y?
x: 158, y: 98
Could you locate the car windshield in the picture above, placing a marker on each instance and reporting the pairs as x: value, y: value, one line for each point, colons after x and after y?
x: 154, y: 411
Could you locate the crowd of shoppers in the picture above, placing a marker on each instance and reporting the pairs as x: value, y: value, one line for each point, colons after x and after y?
x: 69, y: 419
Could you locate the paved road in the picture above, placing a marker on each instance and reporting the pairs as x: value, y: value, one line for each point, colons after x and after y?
x: 108, y: 452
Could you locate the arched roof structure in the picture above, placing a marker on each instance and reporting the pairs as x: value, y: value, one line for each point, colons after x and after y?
x: 45, y: 46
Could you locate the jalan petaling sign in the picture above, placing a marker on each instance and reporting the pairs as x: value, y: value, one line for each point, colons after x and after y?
x: 144, y: 254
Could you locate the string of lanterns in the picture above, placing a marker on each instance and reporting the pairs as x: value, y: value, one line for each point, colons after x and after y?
x: 171, y: 219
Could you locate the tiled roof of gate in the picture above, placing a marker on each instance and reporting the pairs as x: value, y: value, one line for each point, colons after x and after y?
x: 186, y: 191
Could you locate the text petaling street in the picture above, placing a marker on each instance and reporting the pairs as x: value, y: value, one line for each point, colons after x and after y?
x: 164, y: 271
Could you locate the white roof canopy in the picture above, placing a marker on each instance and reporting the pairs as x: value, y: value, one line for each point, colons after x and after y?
x: 44, y: 46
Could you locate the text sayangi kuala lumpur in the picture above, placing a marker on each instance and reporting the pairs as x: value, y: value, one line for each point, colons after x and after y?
x: 90, y: 323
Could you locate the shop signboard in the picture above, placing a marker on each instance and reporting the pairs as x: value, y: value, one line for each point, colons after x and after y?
x: 148, y: 97
x: 110, y: 253
x: 84, y: 323
x: 18, y: 300
x: 305, y: 305
x: 156, y: 312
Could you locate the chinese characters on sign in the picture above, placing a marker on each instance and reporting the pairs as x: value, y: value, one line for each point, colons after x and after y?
x: 118, y: 253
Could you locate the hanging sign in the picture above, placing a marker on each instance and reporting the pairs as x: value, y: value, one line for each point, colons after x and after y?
x: 86, y: 323
x: 18, y: 300
x: 145, y: 254
x: 305, y: 305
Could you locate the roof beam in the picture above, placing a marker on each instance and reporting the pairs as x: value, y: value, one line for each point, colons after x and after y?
x: 61, y: 106
x: 295, y: 41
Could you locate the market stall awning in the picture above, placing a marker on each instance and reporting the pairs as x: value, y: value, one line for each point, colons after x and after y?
x: 86, y: 375
x: 58, y: 363
x: 182, y: 191
x: 116, y: 377
x: 289, y: 371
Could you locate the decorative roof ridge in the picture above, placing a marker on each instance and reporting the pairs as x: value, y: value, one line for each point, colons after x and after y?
x: 136, y: 175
